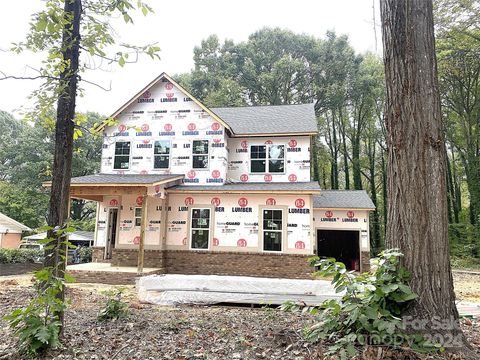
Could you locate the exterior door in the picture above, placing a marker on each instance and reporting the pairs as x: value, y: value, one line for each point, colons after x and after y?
x: 112, y: 232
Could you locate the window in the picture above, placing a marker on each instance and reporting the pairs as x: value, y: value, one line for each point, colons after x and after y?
x: 272, y: 230
x: 200, y: 154
x: 138, y: 216
x: 122, y: 155
x: 258, y: 156
x: 200, y: 228
x: 161, y: 154
x: 267, y: 158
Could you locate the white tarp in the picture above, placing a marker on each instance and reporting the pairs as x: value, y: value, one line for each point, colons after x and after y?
x: 173, y: 289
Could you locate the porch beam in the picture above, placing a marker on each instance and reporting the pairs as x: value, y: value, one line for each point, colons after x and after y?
x: 106, y: 190
x: 98, y: 198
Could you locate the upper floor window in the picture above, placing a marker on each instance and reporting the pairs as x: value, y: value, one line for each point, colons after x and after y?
x: 161, y: 153
x: 267, y: 158
x: 122, y: 155
x: 200, y: 154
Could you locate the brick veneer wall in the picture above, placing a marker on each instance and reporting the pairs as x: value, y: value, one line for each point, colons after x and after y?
x: 129, y: 257
x: 219, y: 263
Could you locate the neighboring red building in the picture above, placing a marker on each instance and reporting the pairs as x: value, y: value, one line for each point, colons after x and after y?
x: 11, y: 232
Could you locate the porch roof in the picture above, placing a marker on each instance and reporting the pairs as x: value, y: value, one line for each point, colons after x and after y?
x: 343, y: 199
x: 124, y: 180
x: 310, y: 187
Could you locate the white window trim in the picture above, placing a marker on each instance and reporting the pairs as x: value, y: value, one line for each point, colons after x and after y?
x: 129, y: 155
x: 208, y: 155
x: 169, y: 156
x: 210, y: 230
x: 267, y: 165
x: 284, y: 230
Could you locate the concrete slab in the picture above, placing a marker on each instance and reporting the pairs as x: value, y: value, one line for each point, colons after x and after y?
x: 99, y: 266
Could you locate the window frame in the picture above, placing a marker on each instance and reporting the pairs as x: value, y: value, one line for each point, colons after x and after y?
x: 129, y: 154
x: 207, y: 155
x: 169, y: 154
x: 210, y: 229
x: 267, y: 159
x: 283, y: 231
x: 135, y: 217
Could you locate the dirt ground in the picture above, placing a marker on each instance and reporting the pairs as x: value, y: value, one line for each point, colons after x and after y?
x: 467, y: 286
x: 186, y: 332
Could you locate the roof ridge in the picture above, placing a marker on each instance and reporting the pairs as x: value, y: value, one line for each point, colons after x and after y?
x: 257, y: 106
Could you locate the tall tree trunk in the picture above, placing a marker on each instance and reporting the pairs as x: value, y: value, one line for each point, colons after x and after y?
x: 375, y: 223
x: 384, y: 194
x: 334, y: 174
x: 341, y: 125
x: 357, y: 171
x: 457, y: 198
x: 64, y: 128
x: 450, y: 190
x: 417, y: 208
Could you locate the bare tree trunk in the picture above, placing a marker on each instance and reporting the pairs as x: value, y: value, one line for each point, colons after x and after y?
x: 384, y: 194
x: 417, y: 207
x: 64, y: 128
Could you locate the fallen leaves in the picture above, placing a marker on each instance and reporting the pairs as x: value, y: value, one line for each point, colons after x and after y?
x: 181, y: 333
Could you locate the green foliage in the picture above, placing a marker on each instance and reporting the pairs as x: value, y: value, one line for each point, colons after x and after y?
x: 85, y: 254
x: 115, y: 308
x: 96, y: 36
x: 10, y: 256
x: 37, y: 325
x: 370, y: 308
x: 464, y: 240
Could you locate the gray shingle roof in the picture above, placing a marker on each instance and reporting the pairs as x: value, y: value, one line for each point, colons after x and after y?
x: 277, y: 186
x: 344, y: 199
x: 273, y: 119
x: 121, y: 179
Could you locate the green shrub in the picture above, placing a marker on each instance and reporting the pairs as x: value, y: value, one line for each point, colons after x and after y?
x: 115, y: 308
x: 370, y: 308
x: 463, y: 240
x: 10, y: 256
x: 85, y: 254
x: 37, y: 325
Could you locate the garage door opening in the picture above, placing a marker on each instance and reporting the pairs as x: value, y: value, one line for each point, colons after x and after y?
x: 343, y: 245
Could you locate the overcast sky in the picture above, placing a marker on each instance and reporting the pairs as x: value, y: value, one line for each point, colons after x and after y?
x: 178, y: 26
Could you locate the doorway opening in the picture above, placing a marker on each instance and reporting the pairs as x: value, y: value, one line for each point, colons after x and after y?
x: 343, y: 245
x: 112, y: 232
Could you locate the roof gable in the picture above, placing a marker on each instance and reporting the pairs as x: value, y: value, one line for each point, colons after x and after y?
x: 163, y: 77
x: 7, y: 223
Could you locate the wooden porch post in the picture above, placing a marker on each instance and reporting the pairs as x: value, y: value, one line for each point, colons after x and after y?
x: 141, y: 246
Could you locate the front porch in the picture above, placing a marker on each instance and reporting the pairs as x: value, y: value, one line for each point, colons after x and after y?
x: 131, y: 211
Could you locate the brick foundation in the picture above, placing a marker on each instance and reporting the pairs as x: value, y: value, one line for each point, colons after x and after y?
x: 97, y: 254
x: 219, y: 263
x: 106, y: 277
x: 129, y: 257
